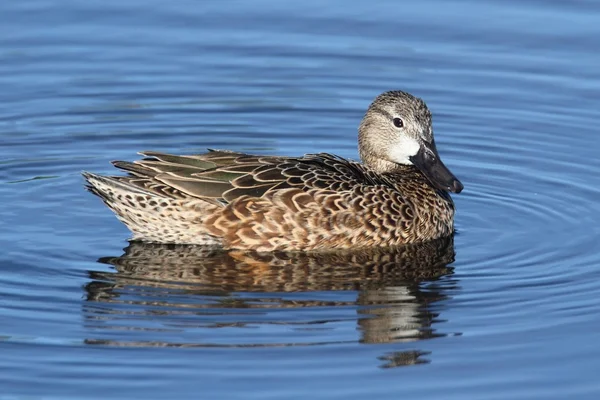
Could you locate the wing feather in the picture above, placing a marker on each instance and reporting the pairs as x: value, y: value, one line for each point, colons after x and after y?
x: 222, y: 176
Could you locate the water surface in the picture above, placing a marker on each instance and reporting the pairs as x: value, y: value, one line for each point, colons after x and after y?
x: 506, y: 309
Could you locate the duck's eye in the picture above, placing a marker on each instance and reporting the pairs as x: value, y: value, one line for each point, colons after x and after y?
x: 398, y: 123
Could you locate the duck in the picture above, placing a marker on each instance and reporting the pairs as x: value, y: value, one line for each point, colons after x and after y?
x: 399, y: 192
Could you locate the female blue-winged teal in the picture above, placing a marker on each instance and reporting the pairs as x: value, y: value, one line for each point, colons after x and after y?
x: 399, y: 194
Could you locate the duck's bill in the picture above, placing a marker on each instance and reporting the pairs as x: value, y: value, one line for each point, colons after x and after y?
x: 428, y: 161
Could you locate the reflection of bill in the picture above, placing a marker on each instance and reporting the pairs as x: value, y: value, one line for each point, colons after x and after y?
x: 163, y: 281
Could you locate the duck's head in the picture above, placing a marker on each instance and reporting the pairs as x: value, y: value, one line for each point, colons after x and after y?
x: 397, y: 130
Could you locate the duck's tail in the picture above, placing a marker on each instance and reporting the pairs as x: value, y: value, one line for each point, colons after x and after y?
x: 151, y: 217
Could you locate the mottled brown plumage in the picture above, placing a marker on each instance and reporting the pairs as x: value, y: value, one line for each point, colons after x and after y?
x: 318, y: 201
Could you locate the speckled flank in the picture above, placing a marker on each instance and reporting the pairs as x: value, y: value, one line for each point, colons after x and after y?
x: 267, y: 203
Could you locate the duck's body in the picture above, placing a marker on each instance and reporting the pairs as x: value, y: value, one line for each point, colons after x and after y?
x: 266, y: 203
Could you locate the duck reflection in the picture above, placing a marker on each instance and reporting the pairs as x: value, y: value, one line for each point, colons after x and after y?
x: 155, y: 289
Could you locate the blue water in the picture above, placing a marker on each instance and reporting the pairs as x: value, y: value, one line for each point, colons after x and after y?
x: 508, y: 310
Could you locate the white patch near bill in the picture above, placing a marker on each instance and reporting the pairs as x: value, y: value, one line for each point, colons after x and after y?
x: 404, y: 148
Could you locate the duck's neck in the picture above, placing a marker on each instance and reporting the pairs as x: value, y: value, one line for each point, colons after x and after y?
x: 386, y: 167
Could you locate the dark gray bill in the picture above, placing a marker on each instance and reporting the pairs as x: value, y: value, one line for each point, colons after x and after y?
x: 429, y: 163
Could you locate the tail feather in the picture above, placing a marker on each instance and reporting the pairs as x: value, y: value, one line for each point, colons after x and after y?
x: 105, y: 186
x: 151, y: 217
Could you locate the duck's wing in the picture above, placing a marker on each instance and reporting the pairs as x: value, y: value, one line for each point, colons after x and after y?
x: 222, y: 176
